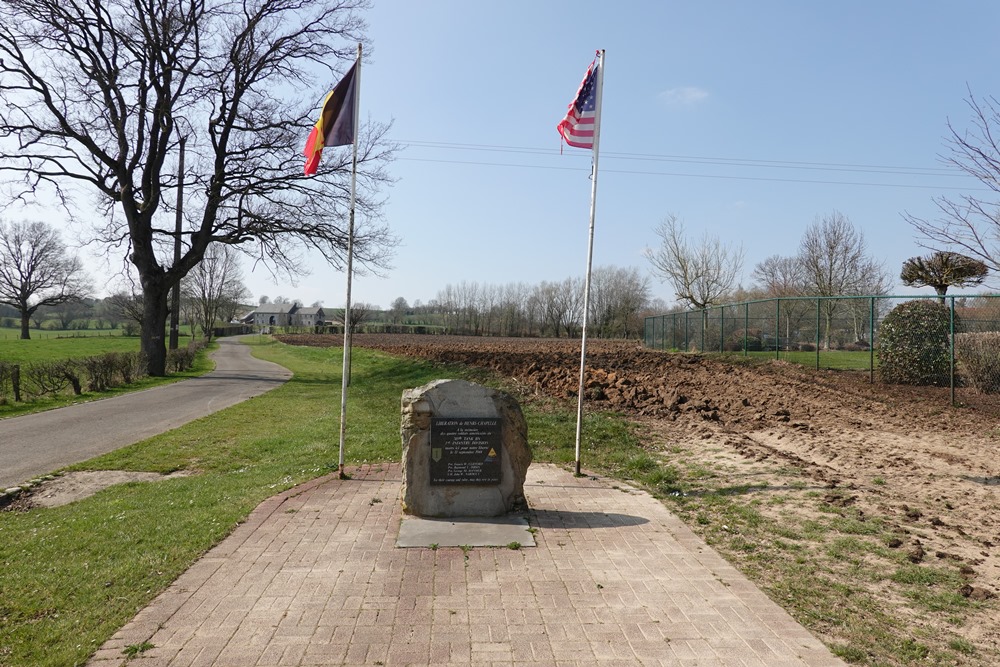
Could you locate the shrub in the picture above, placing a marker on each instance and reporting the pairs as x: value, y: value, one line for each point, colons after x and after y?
x: 752, y: 338
x: 805, y: 347
x: 100, y: 372
x: 44, y: 377
x: 913, y: 344
x: 979, y: 356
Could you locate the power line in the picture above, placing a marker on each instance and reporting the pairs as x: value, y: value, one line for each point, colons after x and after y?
x: 723, y: 161
x: 690, y: 175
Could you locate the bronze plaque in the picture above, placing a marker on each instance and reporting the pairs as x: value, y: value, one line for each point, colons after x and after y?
x: 465, y: 450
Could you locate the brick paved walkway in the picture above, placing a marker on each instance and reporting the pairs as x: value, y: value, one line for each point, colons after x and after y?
x: 314, y: 578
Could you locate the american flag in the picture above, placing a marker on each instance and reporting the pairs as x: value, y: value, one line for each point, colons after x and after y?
x: 577, y: 128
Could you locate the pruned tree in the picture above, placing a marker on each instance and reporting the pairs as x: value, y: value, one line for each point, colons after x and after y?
x: 700, y: 273
x: 942, y: 270
x: 36, y: 270
x: 98, y: 97
x: 970, y: 223
x: 215, y: 287
x: 835, y: 262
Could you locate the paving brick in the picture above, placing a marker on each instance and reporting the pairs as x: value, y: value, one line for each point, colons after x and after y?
x: 615, y: 579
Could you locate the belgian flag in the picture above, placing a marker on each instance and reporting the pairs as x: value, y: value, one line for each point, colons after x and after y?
x: 335, y: 126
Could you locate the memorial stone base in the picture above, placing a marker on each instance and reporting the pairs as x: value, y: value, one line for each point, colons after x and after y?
x: 465, y: 451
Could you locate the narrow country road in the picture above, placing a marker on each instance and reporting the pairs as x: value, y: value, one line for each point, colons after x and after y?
x: 37, y: 444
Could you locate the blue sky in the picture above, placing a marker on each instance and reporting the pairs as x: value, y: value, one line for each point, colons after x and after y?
x: 745, y: 113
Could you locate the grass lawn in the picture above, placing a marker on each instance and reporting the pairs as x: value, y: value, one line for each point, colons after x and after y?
x: 50, y: 348
x: 833, y: 359
x: 71, y: 576
x: 14, y: 333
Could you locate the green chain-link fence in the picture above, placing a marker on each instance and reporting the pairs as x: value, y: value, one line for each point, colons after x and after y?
x: 836, y: 333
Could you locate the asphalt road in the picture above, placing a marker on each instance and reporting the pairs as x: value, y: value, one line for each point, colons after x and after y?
x: 37, y: 444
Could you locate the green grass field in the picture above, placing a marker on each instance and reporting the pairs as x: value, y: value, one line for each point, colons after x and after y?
x: 72, y: 575
x: 831, y: 359
x: 17, y: 351
x: 11, y: 333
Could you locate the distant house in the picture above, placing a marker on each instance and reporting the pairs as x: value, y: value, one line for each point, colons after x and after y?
x: 309, y: 317
x: 286, y: 315
x: 275, y: 314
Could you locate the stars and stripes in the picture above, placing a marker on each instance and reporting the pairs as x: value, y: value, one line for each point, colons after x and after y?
x: 577, y: 128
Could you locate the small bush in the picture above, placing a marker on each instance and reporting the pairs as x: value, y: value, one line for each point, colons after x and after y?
x: 979, y: 357
x: 43, y: 378
x: 805, y: 347
x: 752, y: 338
x: 858, y: 346
x: 914, y: 344
x: 100, y: 372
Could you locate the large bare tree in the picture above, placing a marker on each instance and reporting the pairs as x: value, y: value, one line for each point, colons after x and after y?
x: 835, y: 262
x: 702, y: 272
x: 96, y: 97
x: 970, y: 223
x: 36, y: 270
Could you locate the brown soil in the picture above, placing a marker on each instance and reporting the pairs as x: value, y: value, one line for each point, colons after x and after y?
x: 901, y: 454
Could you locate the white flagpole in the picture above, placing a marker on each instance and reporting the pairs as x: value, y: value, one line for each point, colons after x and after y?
x: 346, y: 372
x: 590, y: 252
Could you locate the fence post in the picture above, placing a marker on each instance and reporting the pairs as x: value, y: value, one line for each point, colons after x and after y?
x: 15, y: 378
x: 722, y: 329
x: 817, y: 333
x: 951, y: 324
x: 704, y: 326
x: 777, y: 328
x: 686, y: 318
x: 871, y: 342
x: 746, y: 325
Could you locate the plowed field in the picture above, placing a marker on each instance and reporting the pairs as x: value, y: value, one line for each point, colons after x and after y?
x: 901, y: 458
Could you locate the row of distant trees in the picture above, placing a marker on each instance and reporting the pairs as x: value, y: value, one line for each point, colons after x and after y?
x: 41, y: 281
x: 619, y: 300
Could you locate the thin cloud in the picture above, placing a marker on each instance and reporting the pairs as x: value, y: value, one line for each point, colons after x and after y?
x: 684, y: 96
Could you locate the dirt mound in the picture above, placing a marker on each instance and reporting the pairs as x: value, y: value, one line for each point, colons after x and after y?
x: 902, y: 453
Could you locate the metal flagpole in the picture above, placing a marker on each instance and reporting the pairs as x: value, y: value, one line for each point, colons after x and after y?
x: 346, y: 372
x: 590, y: 252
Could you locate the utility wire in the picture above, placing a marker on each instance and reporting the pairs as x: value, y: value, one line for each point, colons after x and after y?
x: 690, y: 175
x: 723, y: 161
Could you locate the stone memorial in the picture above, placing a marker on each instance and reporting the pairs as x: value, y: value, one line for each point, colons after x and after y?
x: 465, y: 451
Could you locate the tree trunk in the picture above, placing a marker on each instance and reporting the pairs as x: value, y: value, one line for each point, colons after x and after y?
x: 154, y: 323
x: 25, y: 322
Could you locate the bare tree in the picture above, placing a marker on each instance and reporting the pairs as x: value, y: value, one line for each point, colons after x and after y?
x: 97, y: 96
x: 835, y: 262
x: 215, y: 286
x: 36, y: 270
x: 970, y: 223
x: 361, y: 312
x: 617, y: 296
x: 700, y: 274
x: 943, y: 270
x: 127, y: 308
